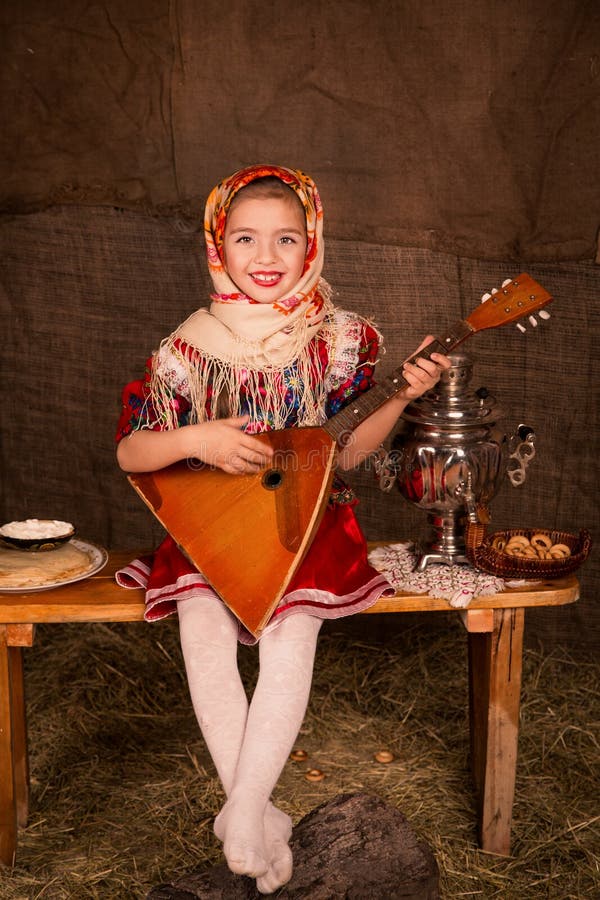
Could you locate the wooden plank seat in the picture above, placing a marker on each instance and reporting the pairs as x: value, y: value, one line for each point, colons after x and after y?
x: 495, y: 639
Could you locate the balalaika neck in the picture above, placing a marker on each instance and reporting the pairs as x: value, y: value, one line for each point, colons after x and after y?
x: 344, y: 422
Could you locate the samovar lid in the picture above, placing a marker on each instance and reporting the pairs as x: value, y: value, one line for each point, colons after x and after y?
x: 452, y: 402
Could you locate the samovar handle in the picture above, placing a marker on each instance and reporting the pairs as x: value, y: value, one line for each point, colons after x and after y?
x: 521, y: 446
x: 387, y: 465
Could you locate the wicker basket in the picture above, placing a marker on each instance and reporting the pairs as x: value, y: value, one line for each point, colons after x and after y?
x: 484, y: 556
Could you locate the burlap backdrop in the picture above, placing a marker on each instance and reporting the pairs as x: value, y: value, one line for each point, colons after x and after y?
x: 470, y: 126
x: 453, y: 143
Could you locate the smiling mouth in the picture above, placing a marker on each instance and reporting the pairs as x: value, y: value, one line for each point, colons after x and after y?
x: 266, y: 279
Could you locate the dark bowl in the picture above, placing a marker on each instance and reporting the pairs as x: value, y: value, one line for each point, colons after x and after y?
x: 41, y: 541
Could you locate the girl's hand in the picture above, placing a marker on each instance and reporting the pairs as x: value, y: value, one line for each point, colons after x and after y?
x: 423, y: 374
x: 223, y: 444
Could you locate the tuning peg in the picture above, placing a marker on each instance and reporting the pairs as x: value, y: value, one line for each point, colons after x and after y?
x: 533, y: 321
x: 485, y: 297
x: 506, y: 281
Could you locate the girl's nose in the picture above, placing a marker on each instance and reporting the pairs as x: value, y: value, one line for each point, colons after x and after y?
x: 265, y: 252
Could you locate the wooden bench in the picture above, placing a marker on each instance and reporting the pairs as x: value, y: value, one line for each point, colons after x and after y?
x: 495, y: 640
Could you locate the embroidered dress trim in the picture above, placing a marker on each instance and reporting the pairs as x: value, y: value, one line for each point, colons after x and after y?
x: 161, y: 603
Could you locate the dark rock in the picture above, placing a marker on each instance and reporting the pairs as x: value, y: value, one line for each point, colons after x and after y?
x: 355, y: 847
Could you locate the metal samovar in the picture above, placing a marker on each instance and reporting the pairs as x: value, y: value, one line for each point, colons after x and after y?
x: 451, y: 455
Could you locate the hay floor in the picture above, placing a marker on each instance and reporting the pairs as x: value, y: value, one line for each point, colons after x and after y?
x: 123, y: 792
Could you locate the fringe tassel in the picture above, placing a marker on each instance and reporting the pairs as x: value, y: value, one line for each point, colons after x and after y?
x: 215, y: 387
x: 187, y: 371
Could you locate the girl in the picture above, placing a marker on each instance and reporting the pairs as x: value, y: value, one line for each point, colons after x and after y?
x: 272, y: 351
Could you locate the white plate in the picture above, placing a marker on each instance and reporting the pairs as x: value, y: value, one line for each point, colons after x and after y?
x: 98, y: 558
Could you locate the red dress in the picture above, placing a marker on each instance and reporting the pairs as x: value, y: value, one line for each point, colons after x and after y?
x: 335, y: 578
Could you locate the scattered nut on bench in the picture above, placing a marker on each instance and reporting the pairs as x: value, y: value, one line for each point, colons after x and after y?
x: 314, y: 775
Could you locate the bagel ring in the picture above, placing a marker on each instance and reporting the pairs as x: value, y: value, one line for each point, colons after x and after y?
x: 561, y: 549
x: 530, y: 552
x: 298, y: 755
x: 384, y: 756
x: 516, y: 549
x: 541, y: 541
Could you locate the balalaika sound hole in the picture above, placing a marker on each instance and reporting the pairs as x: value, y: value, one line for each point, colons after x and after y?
x: 272, y: 479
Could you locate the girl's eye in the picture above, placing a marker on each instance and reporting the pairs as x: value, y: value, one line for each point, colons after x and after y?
x: 287, y: 240
x: 244, y: 239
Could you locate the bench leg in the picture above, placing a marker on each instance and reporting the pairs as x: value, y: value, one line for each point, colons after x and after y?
x: 495, y: 659
x: 20, y: 755
x: 14, y: 763
x: 8, y: 804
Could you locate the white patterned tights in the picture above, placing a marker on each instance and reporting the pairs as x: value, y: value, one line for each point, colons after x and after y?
x: 249, y: 745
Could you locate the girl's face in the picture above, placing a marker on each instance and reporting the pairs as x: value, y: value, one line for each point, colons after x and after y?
x: 264, y: 246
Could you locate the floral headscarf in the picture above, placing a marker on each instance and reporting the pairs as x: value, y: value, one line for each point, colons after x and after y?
x: 240, y: 340
x: 289, y: 316
x: 215, y: 217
